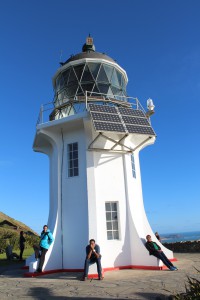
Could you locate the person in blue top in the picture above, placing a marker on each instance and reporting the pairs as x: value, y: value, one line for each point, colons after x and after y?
x: 155, y: 250
x: 46, y: 239
x: 92, y: 256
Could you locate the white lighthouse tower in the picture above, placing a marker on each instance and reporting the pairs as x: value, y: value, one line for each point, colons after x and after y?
x: 93, y: 136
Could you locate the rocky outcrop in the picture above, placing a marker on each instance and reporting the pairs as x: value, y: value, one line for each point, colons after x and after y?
x: 184, y: 247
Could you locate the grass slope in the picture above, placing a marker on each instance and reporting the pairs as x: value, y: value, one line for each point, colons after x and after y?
x: 20, y: 226
x: 10, y: 233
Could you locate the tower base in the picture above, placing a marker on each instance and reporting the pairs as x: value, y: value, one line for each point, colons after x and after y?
x: 95, y: 275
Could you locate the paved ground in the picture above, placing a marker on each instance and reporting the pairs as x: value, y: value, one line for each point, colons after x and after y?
x: 121, y: 285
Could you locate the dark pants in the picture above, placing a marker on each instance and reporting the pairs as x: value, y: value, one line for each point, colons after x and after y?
x: 40, y: 253
x: 21, y: 252
x: 89, y: 262
x: 163, y: 257
x: 42, y: 258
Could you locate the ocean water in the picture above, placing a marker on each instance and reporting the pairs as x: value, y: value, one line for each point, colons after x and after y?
x: 180, y: 237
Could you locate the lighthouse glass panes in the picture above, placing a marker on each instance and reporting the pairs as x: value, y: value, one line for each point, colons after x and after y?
x: 72, y: 153
x: 112, y: 221
x: 133, y: 165
x: 99, y: 78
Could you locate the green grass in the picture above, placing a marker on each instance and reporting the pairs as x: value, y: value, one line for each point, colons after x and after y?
x: 5, y: 262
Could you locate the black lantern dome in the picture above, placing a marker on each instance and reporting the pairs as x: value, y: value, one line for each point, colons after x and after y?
x: 90, y: 71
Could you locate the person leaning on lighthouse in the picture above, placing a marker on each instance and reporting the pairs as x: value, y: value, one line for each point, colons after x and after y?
x: 46, y: 239
x: 155, y: 250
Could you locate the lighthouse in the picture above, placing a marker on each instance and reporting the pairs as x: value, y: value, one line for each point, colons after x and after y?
x: 92, y: 133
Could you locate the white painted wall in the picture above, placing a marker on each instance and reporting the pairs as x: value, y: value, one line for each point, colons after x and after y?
x: 77, y: 204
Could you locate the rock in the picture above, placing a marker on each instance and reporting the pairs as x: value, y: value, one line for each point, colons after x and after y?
x: 184, y: 247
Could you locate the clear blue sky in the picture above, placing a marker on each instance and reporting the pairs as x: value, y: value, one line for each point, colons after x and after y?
x: 157, y: 43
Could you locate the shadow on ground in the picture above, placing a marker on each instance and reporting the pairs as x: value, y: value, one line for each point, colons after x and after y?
x: 42, y: 293
x: 153, y: 296
x: 11, y: 267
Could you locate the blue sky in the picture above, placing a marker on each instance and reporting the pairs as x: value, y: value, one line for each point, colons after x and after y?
x: 157, y: 43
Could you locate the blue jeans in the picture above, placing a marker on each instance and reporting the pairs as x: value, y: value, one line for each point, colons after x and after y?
x: 89, y: 262
x: 163, y: 257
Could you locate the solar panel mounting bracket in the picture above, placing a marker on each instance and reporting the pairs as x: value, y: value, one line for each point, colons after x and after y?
x: 116, y: 143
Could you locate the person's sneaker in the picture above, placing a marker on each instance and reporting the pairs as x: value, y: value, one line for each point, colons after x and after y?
x: 173, y: 269
x: 100, y: 278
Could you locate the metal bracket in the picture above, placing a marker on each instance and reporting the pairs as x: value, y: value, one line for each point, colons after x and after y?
x: 116, y: 143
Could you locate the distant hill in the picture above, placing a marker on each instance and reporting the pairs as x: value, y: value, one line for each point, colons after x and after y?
x: 10, y: 232
x: 9, y: 223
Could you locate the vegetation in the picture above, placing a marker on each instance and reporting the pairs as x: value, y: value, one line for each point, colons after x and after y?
x: 27, y: 252
x: 15, y: 224
x: 192, y: 290
x: 4, y: 262
x: 10, y: 232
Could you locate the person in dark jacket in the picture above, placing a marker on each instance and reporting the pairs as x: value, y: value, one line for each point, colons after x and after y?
x: 21, y: 244
x: 46, y: 239
x: 155, y: 250
x: 92, y: 256
x: 158, y: 237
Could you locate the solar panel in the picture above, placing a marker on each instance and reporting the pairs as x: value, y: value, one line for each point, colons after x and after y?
x: 131, y: 112
x: 105, y: 117
x: 140, y: 129
x: 135, y: 120
x: 114, y: 127
x: 119, y: 119
x: 103, y: 108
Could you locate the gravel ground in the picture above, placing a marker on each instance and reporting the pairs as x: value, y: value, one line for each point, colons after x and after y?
x: 123, y: 284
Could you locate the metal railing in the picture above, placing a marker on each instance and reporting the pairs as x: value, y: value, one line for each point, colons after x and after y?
x: 57, y: 110
x: 45, y: 110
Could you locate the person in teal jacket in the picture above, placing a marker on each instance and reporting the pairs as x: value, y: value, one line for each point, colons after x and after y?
x: 46, y: 239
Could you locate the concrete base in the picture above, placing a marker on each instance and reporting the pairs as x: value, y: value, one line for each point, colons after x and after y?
x: 33, y: 266
x: 92, y: 269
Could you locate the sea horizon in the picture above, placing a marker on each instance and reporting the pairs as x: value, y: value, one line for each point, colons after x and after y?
x: 180, y: 237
